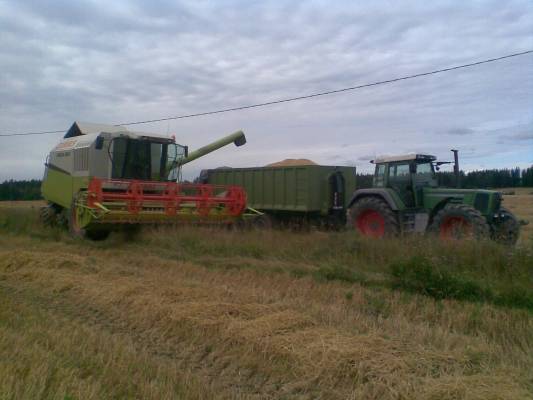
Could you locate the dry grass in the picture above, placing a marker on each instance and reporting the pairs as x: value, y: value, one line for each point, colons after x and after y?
x: 22, y: 204
x: 199, y: 313
x: 521, y: 204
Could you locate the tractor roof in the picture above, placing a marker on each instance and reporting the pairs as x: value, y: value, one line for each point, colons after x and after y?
x: 405, y: 157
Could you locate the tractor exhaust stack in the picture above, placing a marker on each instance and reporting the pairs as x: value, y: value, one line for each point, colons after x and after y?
x: 456, y: 170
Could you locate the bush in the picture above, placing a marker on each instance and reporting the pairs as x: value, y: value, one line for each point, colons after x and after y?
x: 418, y: 274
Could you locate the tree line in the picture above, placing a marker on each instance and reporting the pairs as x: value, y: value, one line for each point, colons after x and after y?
x: 20, y: 190
x: 486, y: 179
x: 483, y: 179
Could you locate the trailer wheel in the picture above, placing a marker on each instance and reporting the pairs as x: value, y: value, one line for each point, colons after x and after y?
x: 372, y: 217
x: 459, y: 221
x: 506, y: 228
x: 78, y: 219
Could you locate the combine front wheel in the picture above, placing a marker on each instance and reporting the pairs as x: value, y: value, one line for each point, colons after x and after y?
x: 372, y: 217
x: 48, y: 215
x: 459, y: 221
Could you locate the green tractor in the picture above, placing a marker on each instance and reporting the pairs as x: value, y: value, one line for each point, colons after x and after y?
x: 406, y: 197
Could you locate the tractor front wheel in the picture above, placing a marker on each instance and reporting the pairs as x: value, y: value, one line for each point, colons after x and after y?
x: 506, y: 228
x: 372, y: 217
x: 460, y: 221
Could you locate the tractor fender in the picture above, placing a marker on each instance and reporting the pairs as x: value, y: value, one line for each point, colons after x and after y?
x: 443, y: 203
x: 381, y: 193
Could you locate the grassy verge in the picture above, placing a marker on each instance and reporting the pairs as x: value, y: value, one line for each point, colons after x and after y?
x: 468, y: 271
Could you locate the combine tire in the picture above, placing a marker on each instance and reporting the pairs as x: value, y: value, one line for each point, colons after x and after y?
x: 48, y: 215
x: 506, y: 229
x: 372, y: 217
x: 460, y: 221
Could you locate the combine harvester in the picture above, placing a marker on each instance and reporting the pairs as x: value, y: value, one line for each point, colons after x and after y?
x: 100, y: 178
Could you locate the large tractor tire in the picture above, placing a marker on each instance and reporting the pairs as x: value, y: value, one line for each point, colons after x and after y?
x: 77, y: 223
x: 507, y: 230
x: 372, y: 217
x: 460, y: 221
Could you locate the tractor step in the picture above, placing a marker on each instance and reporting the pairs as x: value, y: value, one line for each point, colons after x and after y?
x: 415, y: 222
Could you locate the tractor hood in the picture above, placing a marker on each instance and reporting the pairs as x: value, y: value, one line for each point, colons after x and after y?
x: 485, y: 201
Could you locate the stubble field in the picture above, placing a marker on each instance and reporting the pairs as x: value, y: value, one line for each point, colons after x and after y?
x: 198, y: 313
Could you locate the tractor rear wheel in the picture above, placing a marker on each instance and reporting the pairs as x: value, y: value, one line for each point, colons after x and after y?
x: 460, y: 221
x: 507, y: 228
x: 372, y: 217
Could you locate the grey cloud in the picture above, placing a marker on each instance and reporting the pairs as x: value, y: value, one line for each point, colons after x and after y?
x: 460, y: 131
x: 125, y: 61
x: 522, y: 136
x: 365, y: 158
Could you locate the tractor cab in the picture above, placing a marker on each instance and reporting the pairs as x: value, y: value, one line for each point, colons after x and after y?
x: 407, y: 175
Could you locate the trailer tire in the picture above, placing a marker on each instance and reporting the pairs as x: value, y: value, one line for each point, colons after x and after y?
x: 459, y: 221
x: 372, y: 217
x: 507, y: 231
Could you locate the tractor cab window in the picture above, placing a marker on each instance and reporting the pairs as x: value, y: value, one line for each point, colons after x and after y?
x: 425, y: 168
x: 379, y: 176
x: 425, y: 175
x: 400, y: 171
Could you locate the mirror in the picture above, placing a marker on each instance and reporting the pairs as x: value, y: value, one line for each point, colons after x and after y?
x: 99, y: 143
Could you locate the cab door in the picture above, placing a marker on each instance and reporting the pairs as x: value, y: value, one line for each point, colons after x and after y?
x: 400, y: 181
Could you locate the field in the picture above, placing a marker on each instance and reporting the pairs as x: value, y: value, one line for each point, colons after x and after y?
x: 198, y: 313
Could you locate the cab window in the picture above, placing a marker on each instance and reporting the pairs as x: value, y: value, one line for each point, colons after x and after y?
x: 424, y: 168
x: 379, y: 177
x: 400, y: 171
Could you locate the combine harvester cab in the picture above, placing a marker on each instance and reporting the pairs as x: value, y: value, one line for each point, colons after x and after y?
x: 100, y: 178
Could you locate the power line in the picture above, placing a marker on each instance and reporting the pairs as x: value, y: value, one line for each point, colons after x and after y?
x: 290, y: 99
x: 33, y: 133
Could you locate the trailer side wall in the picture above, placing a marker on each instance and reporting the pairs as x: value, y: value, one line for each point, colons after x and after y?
x: 299, y: 189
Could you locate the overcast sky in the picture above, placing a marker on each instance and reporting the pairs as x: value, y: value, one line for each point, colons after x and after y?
x: 117, y: 61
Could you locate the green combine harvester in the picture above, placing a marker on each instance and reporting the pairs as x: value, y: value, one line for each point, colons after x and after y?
x: 100, y: 178
x: 406, y: 197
